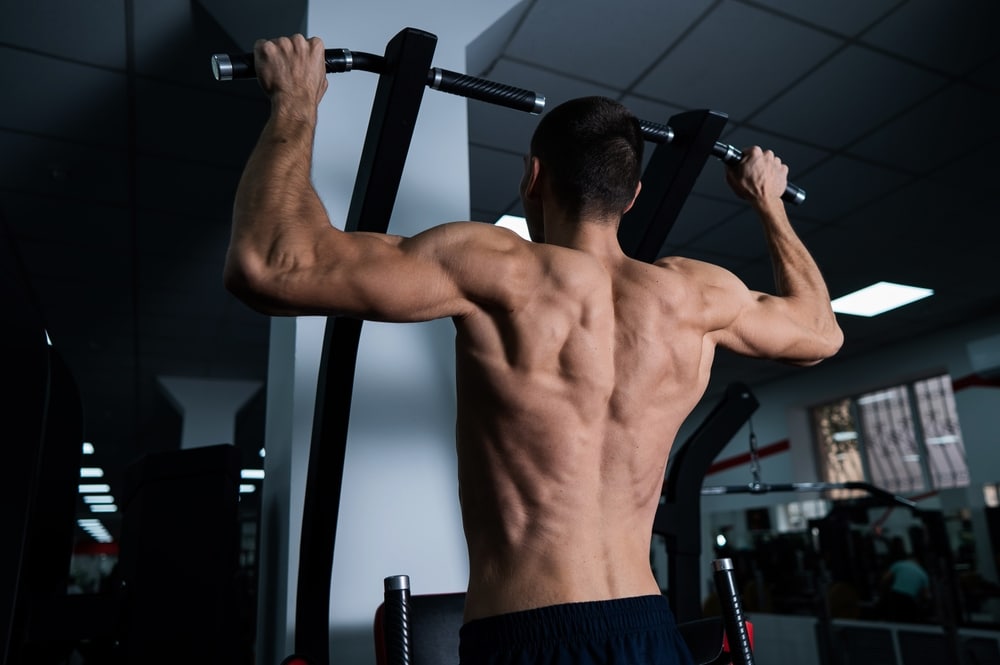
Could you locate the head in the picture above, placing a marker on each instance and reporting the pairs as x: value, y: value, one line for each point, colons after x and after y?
x: 586, y: 156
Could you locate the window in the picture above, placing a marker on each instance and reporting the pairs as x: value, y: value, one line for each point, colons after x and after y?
x: 905, y: 439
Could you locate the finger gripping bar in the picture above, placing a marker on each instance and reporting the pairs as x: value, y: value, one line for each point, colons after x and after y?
x: 657, y: 133
x: 730, y: 155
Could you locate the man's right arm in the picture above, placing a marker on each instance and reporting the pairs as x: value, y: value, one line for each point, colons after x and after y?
x: 797, y: 323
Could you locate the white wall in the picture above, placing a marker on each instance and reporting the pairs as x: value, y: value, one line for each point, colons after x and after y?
x: 399, y: 507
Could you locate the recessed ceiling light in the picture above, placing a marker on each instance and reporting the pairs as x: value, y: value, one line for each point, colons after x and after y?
x: 88, y: 448
x: 252, y: 474
x: 879, y: 298
x: 518, y: 225
x: 247, y: 488
x: 94, y: 489
x: 91, y: 472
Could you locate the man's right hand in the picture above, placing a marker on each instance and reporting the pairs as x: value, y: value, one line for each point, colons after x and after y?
x: 292, y: 71
x: 759, y: 177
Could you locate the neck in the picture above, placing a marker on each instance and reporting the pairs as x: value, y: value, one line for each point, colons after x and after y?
x: 597, y: 236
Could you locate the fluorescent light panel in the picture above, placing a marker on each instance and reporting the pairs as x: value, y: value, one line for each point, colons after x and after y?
x: 247, y: 488
x: 91, y: 472
x: 252, y: 474
x: 98, y: 498
x: 103, y: 508
x: 879, y: 298
x: 518, y: 225
x: 98, y: 488
x: 88, y: 448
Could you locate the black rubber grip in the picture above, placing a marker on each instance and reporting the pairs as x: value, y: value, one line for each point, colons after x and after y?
x: 227, y: 66
x: 396, y: 620
x: 730, y: 155
x: 485, y: 91
x: 732, y: 612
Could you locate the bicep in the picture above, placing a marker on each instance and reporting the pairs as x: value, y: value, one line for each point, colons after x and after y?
x: 748, y: 322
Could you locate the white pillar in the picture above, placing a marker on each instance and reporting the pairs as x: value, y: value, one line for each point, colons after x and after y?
x: 399, y: 507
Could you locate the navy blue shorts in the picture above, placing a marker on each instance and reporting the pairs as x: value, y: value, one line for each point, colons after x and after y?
x: 627, y: 631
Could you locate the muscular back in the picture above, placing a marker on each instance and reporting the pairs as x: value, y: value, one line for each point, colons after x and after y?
x: 571, y: 390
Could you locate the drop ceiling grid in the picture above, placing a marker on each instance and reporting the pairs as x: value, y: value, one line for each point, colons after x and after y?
x: 703, y: 71
x: 938, y: 130
x: 847, y: 97
x: 62, y: 99
x: 845, y: 18
x: 54, y: 26
x: 609, y: 43
x: 952, y: 40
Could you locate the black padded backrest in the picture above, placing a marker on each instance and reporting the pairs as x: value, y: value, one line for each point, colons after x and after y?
x: 435, y: 622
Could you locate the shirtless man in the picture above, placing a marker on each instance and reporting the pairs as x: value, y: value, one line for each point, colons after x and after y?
x: 575, y: 364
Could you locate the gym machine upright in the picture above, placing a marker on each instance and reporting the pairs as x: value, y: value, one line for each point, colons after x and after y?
x: 404, y: 71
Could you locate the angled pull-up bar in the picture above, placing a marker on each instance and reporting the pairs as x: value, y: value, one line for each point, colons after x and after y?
x: 226, y: 67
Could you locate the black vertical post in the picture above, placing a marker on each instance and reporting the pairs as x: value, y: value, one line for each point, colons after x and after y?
x: 678, y: 518
x: 390, y: 128
x: 667, y: 182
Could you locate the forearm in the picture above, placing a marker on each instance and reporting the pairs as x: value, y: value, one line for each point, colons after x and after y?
x: 277, y: 212
x: 797, y: 277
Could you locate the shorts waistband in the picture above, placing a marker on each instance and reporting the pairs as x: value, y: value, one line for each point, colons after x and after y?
x: 570, y: 621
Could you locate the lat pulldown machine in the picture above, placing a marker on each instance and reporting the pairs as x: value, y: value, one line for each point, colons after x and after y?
x: 404, y: 71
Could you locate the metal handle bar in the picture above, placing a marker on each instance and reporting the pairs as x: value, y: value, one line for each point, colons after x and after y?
x: 226, y: 67
x: 657, y: 133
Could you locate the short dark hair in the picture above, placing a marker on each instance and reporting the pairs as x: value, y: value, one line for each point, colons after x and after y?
x: 592, y: 150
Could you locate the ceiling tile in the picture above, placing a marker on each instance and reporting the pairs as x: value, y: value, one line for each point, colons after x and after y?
x: 947, y: 36
x: 57, y: 27
x: 846, y: 98
x: 797, y: 156
x: 701, y: 73
x: 62, y: 99
x: 936, y: 131
x: 615, y: 39
x: 987, y: 75
x: 698, y: 216
x: 842, y: 184
x: 844, y: 17
x: 974, y: 173
x: 741, y: 236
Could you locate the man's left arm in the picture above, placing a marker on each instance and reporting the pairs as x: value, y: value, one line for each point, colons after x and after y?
x: 285, y: 258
